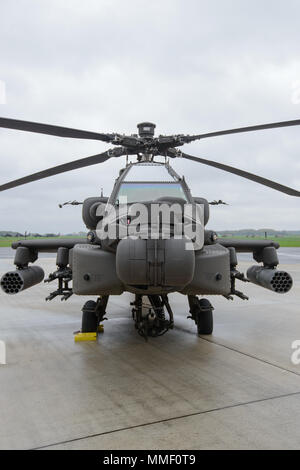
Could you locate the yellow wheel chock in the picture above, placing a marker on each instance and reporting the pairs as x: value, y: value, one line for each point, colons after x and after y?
x: 85, y: 337
x: 78, y: 336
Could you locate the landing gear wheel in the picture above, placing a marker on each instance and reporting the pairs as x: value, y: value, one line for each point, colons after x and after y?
x: 89, y: 317
x: 205, y: 318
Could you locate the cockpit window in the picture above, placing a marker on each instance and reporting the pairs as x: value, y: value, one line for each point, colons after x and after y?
x: 149, y: 172
x: 147, y: 191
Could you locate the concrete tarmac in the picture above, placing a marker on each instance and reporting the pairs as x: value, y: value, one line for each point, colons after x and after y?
x: 235, y: 389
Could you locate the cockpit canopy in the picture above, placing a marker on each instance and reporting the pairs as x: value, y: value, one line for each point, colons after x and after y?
x: 149, y: 182
x: 148, y: 191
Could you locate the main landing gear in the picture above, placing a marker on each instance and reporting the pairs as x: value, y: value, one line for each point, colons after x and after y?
x: 201, y: 312
x: 152, y: 317
x: 93, y: 314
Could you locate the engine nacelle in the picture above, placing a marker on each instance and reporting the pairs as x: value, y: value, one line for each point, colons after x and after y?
x: 204, y: 202
x: 89, y: 211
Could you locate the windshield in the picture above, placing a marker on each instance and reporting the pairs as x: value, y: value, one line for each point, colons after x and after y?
x: 138, y: 192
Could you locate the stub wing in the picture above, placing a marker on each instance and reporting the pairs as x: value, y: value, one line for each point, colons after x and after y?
x: 48, y: 246
x: 247, y: 246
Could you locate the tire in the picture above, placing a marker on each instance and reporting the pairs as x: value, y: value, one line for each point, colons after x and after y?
x: 205, y: 318
x: 89, y: 317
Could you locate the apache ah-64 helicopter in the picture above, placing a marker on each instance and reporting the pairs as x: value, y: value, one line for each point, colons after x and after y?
x: 148, y: 266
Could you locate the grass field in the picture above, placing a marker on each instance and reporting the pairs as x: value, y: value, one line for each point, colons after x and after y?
x: 283, y: 241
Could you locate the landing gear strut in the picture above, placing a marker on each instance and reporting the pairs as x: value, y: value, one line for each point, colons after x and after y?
x: 150, y: 318
x: 201, y: 312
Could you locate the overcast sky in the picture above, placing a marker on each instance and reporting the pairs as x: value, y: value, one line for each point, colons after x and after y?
x: 190, y: 66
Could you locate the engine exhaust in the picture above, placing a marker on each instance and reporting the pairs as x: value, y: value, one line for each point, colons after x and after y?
x: 272, y: 279
x: 14, y: 282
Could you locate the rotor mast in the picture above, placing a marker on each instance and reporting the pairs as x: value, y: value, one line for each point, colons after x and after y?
x: 146, y: 132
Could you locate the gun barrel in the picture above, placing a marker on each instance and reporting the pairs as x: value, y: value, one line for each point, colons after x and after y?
x: 269, y: 278
x: 16, y: 281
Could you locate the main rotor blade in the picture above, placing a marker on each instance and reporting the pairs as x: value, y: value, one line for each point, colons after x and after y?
x: 242, y: 173
x: 54, y: 130
x: 238, y: 130
x: 81, y: 163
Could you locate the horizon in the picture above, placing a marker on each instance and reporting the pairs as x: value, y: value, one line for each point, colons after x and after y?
x: 57, y: 233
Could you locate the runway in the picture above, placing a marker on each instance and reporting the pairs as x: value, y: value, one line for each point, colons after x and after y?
x: 235, y: 389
